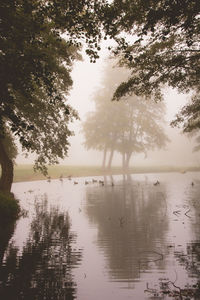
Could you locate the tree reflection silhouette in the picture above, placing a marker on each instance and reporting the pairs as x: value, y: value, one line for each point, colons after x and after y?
x: 132, y: 221
x: 6, y: 232
x: 43, y: 270
x: 191, y: 258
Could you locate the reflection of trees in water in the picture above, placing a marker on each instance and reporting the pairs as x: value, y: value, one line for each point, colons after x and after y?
x: 132, y: 222
x: 194, y: 208
x: 43, y: 269
x: 191, y: 259
x: 6, y: 232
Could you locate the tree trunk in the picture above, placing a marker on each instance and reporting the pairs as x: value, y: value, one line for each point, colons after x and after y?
x: 123, y: 161
x: 128, y: 156
x: 6, y: 179
x: 104, y: 158
x: 110, y: 158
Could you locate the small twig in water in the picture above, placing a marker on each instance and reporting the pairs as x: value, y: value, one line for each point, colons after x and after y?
x: 176, y: 212
x: 121, y: 221
x: 177, y: 287
x: 150, y: 289
x: 161, y: 257
x: 187, y: 212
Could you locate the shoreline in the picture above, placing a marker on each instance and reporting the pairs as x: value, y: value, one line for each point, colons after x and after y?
x: 24, y: 173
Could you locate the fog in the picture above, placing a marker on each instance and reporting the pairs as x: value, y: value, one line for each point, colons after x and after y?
x: 87, y: 79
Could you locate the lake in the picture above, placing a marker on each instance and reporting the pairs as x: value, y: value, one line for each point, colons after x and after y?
x: 130, y: 237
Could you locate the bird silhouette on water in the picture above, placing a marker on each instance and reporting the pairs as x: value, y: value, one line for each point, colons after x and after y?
x: 156, y: 183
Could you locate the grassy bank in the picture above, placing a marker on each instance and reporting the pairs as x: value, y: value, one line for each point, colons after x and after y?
x: 26, y: 172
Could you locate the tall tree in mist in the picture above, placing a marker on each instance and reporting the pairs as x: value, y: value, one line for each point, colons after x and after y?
x: 102, y: 126
x: 143, y: 130
x: 133, y: 125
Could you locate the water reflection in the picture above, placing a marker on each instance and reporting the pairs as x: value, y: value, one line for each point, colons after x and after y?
x: 140, y: 239
x: 194, y: 208
x: 190, y: 258
x: 43, y: 269
x: 6, y: 232
x: 132, y: 221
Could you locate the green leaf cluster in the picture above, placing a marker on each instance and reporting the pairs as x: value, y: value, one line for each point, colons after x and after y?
x: 36, y: 61
x: 164, y: 49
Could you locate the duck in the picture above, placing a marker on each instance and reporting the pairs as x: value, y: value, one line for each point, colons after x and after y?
x: 156, y: 183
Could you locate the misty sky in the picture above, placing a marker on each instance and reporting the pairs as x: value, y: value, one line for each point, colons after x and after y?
x: 87, y: 78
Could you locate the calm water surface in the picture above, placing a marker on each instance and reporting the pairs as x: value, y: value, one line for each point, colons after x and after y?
x: 134, y: 240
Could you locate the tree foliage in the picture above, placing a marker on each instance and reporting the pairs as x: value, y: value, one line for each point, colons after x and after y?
x: 144, y: 127
x: 40, y: 40
x: 189, y: 117
x: 165, y: 49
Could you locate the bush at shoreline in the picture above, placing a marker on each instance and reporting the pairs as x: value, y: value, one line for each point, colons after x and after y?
x: 9, y: 208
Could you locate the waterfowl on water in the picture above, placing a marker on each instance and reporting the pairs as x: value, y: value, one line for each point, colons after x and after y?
x: 156, y: 183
